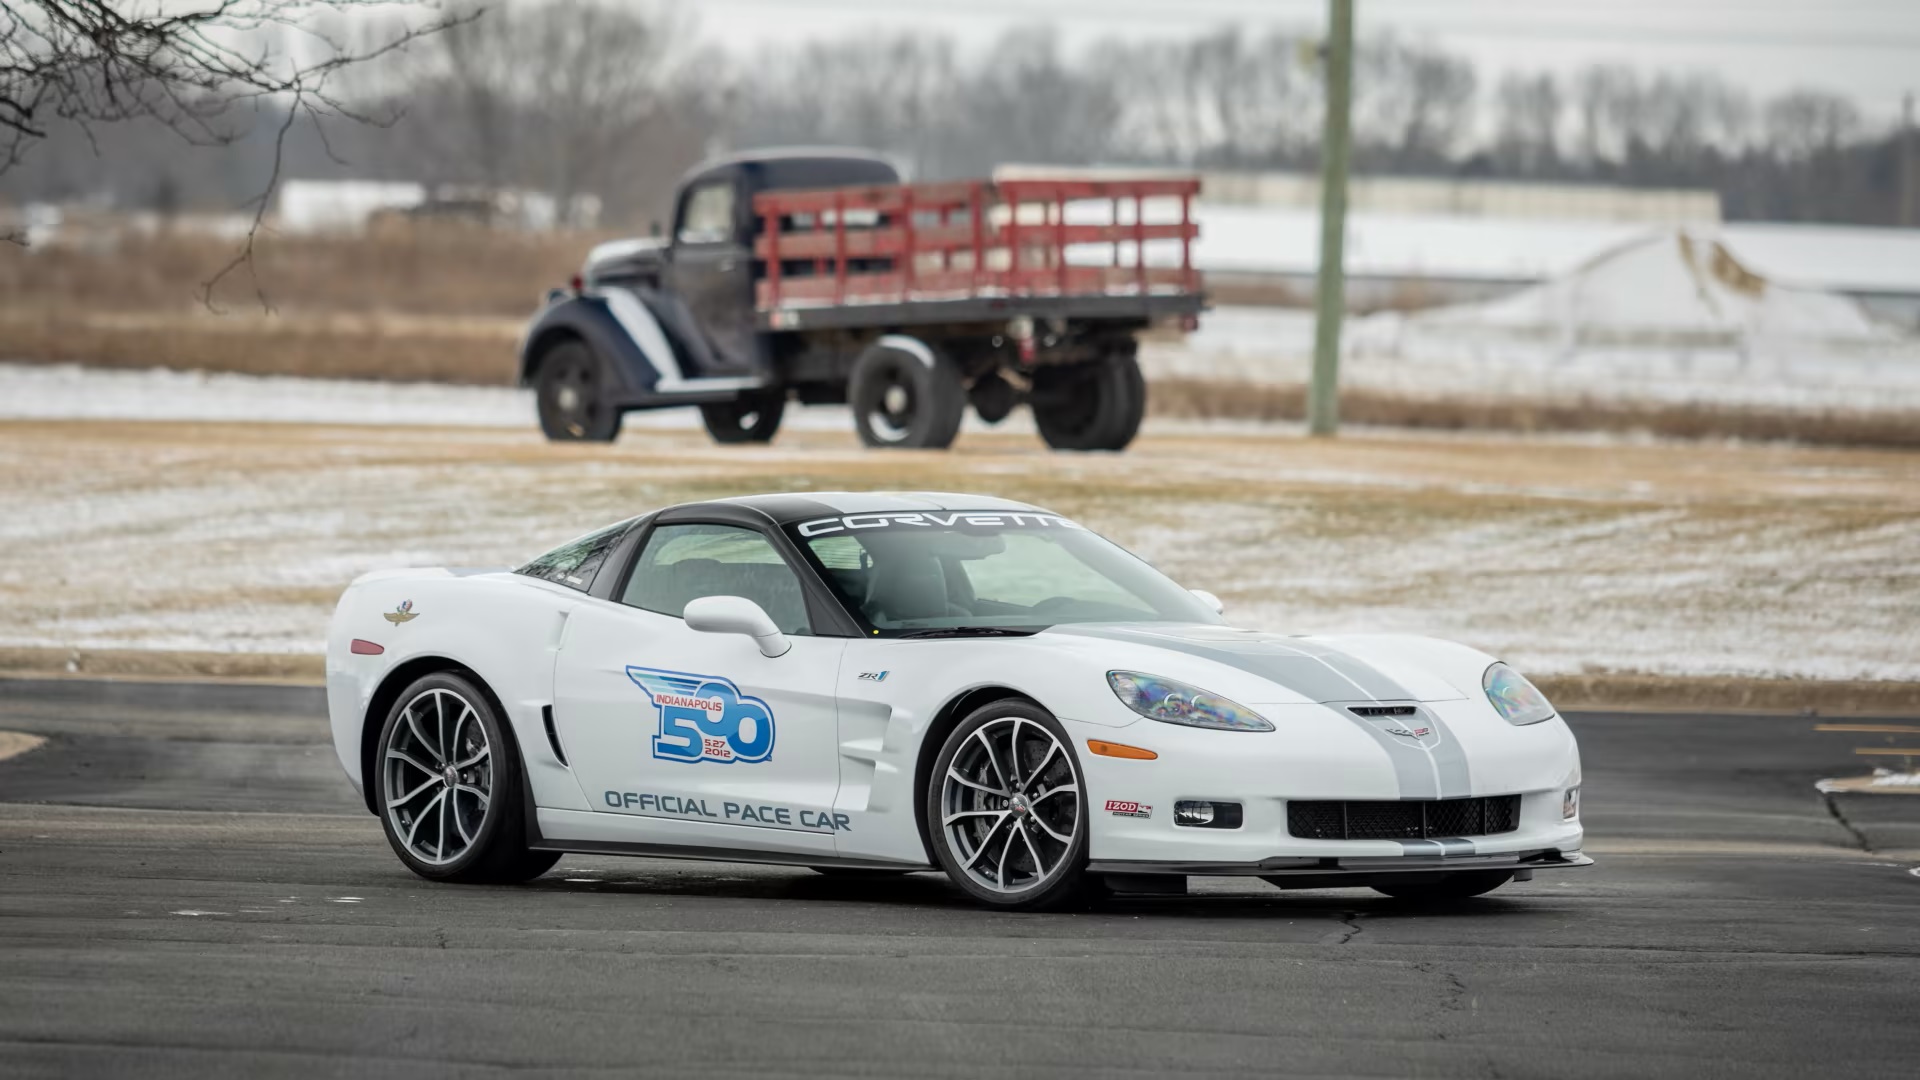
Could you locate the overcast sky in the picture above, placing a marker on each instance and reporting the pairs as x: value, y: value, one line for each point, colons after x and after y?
x: 1868, y: 49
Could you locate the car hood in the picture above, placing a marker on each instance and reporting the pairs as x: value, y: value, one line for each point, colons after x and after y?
x: 1266, y: 668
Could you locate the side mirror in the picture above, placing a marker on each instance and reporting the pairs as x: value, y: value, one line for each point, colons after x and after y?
x: 1210, y: 600
x: 736, y: 615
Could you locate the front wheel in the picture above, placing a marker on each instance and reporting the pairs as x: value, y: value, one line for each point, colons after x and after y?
x: 1452, y: 885
x: 752, y: 419
x: 906, y: 395
x: 572, y: 392
x: 1007, y: 811
x: 447, y: 783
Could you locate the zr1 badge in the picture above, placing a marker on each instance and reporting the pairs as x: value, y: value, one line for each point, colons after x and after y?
x: 705, y: 718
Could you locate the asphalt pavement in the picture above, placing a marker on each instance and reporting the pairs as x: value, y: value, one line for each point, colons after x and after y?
x: 188, y: 887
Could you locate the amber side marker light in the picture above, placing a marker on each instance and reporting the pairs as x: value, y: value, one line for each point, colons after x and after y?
x: 363, y: 647
x: 1119, y: 750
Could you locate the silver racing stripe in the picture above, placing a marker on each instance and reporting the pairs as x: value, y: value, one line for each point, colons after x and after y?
x: 1430, y: 767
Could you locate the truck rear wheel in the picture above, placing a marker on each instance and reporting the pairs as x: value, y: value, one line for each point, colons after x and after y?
x: 906, y: 395
x: 1090, y: 406
x: 571, y: 390
x: 754, y: 418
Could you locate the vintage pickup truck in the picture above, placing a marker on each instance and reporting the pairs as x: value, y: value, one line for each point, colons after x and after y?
x: 816, y: 276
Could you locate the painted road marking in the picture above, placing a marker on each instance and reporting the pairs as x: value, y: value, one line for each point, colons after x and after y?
x: 15, y: 743
x: 1877, y: 751
x: 1878, y: 729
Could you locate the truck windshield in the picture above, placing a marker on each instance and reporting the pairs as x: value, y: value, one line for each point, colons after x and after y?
x: 904, y: 573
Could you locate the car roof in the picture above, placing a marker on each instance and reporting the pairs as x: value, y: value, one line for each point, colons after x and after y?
x: 791, y: 507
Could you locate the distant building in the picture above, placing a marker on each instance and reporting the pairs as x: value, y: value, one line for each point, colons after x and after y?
x: 313, y: 206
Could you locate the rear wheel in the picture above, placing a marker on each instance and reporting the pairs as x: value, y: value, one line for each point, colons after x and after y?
x: 1094, y: 406
x: 1007, y: 811
x: 754, y: 418
x: 1452, y: 885
x: 906, y: 397
x: 447, y: 784
x: 573, y: 391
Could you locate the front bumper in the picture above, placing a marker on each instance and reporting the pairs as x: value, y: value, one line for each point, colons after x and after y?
x: 1309, y: 872
x: 1131, y: 802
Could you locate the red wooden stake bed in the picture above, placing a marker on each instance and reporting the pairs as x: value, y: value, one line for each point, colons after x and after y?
x: 832, y: 256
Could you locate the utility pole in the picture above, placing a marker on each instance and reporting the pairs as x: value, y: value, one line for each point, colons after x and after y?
x: 1909, y: 168
x: 1323, y: 398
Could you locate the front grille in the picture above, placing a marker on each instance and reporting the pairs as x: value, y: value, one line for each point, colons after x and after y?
x: 1413, y: 819
x: 1381, y: 710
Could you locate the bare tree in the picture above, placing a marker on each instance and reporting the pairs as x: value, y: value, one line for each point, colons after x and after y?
x: 1412, y: 104
x: 183, y: 66
x: 1803, y: 123
x: 1528, y: 115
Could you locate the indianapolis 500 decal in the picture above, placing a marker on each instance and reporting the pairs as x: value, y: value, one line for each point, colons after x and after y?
x: 705, y: 718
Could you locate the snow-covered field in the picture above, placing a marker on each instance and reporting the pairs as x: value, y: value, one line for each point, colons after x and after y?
x: 1275, y: 345
x: 139, y: 514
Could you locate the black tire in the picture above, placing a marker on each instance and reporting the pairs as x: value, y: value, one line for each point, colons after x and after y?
x: 1450, y: 885
x: 900, y: 400
x: 1095, y: 406
x: 1063, y: 882
x: 752, y: 419
x: 497, y: 850
x: 573, y: 391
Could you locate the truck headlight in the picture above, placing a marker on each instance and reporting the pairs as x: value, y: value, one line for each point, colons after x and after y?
x: 1517, y: 701
x: 1177, y: 703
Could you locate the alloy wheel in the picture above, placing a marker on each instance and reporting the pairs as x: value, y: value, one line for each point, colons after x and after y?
x: 1010, y: 805
x: 439, y: 773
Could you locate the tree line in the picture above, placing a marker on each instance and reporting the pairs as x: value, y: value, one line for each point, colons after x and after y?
x: 578, y: 97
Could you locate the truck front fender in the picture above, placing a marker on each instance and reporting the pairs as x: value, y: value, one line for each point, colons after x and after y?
x: 590, y: 319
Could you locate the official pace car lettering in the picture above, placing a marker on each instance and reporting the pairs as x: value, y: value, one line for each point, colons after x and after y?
x: 929, y: 519
x: 1119, y: 808
x: 653, y: 804
x: 705, y: 718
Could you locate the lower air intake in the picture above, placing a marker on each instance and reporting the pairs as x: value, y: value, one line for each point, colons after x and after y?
x: 1412, y: 819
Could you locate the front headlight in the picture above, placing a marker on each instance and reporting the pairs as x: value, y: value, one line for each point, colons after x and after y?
x: 1177, y: 703
x: 1518, y: 701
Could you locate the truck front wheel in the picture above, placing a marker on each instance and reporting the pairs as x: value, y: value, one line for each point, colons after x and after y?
x: 572, y: 391
x: 1090, y: 406
x: 905, y: 394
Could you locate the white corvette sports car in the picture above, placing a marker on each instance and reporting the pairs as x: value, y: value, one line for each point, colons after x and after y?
x: 872, y: 683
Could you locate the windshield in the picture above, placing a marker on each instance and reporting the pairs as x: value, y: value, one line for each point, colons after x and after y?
x: 909, y: 572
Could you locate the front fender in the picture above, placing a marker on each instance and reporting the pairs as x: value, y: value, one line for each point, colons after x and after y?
x: 588, y: 319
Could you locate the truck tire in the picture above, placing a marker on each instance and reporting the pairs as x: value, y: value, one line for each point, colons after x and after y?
x: 752, y: 419
x: 571, y: 387
x: 1091, y: 406
x: 906, y: 395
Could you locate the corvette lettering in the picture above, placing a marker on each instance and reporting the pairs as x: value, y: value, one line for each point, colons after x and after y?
x: 705, y: 718
x: 929, y: 519
x: 651, y: 804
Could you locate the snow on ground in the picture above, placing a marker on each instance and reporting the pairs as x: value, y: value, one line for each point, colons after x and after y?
x: 1560, y: 556
x: 74, y: 392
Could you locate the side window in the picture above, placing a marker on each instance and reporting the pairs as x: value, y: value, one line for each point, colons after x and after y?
x: 575, y: 563
x: 709, y: 215
x: 685, y: 562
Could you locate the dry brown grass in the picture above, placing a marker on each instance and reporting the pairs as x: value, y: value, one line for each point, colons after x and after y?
x: 1238, y: 400
x: 429, y: 269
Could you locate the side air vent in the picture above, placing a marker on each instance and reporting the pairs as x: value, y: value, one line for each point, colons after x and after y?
x: 1381, y: 710
x: 553, y: 735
